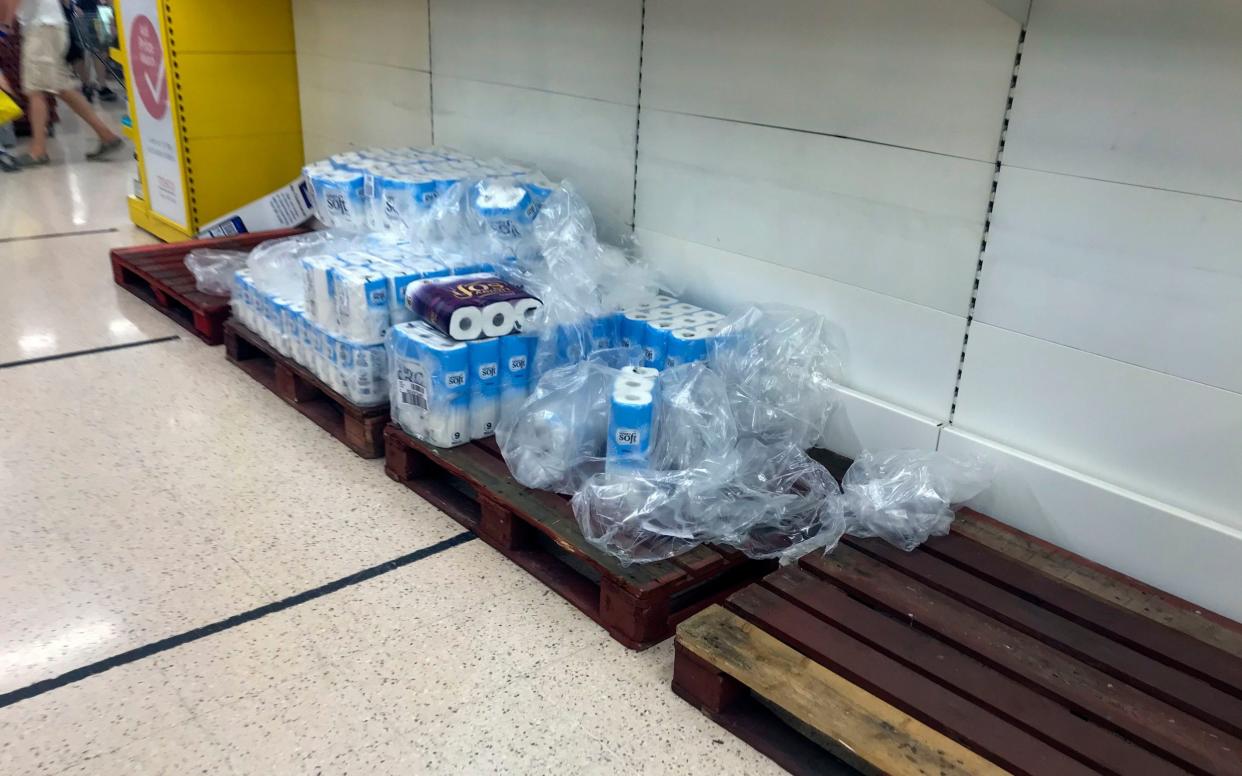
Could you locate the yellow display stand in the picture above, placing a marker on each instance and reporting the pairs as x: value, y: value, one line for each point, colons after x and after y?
x: 213, y: 101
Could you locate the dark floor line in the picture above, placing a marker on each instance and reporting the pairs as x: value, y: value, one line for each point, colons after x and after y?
x: 163, y: 645
x: 54, y: 235
x: 87, y: 352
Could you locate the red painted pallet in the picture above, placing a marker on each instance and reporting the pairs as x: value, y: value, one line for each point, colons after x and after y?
x: 638, y: 605
x: 982, y: 651
x: 361, y: 429
x: 157, y: 275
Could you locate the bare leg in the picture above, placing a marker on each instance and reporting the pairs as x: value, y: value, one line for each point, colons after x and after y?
x: 74, y: 99
x: 37, y: 107
x: 81, y: 67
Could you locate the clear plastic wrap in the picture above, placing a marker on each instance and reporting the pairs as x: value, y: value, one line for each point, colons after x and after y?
x: 780, y: 365
x: 213, y: 269
x: 906, y: 496
x: 557, y: 438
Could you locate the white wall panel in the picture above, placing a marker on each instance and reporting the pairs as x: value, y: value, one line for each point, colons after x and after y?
x: 861, y: 422
x: 896, y: 351
x: 393, y: 110
x: 587, y: 48
x: 363, y: 73
x: 1145, y: 276
x: 1138, y: 91
x: 1164, y: 437
x: 379, y: 32
x: 589, y: 142
x: 1156, y: 543
x: 900, y: 222
x: 932, y: 75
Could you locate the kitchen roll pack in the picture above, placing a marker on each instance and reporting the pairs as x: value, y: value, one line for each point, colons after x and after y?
x: 470, y: 307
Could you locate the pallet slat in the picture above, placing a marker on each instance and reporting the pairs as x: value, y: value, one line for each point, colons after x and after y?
x: 958, y: 718
x: 157, y: 275
x: 869, y: 731
x: 1036, y: 713
x: 1102, y: 583
x: 1174, y: 647
x: 1146, y: 721
x: 639, y: 605
x: 361, y: 429
x: 1157, y: 679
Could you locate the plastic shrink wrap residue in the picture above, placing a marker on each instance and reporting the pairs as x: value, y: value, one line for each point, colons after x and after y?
x: 213, y: 269
x: 907, y: 496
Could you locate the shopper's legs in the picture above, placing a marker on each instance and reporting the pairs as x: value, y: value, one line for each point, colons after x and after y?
x: 37, y: 113
x: 75, y: 100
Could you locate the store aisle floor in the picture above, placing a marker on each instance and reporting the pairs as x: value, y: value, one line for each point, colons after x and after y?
x: 180, y: 557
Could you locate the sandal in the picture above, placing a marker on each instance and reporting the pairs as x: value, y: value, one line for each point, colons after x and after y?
x: 26, y: 160
x: 105, y: 149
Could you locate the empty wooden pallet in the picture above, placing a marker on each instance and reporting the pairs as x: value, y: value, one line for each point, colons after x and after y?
x: 984, y: 651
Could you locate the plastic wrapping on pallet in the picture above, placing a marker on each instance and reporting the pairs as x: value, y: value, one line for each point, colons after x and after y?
x: 906, y: 496
x: 213, y: 269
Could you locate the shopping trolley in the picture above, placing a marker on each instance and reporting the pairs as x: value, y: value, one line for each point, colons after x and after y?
x: 96, y: 33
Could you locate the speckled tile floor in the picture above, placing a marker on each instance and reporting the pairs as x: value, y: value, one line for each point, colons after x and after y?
x: 152, y: 491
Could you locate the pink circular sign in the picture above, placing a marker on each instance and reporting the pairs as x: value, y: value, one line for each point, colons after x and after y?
x: 146, y: 58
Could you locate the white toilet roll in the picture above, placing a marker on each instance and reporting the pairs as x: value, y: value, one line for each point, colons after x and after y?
x: 524, y: 312
x: 498, y: 319
x: 466, y: 323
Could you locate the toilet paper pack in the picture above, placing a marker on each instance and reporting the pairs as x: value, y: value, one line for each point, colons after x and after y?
x: 631, y: 423
x: 468, y: 306
x: 655, y: 342
x: 360, y: 297
x: 429, y: 384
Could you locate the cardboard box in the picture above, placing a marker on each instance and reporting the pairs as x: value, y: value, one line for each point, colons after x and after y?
x: 289, y: 206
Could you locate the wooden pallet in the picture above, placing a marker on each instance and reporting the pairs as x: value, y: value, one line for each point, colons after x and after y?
x: 639, y: 605
x: 361, y: 429
x: 157, y: 275
x: 984, y: 651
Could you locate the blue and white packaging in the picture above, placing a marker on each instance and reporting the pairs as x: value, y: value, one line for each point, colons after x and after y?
x: 360, y: 296
x: 706, y: 316
x: 316, y: 284
x: 516, y: 367
x: 655, y: 342
x: 363, y: 369
x: 291, y: 326
x: 332, y: 370
x: 631, y: 425
x: 634, y: 327
x: 685, y: 346
x: 429, y: 384
x: 484, y: 355
x: 340, y: 198
x: 603, y: 333
x: 659, y: 300
x: 681, y: 308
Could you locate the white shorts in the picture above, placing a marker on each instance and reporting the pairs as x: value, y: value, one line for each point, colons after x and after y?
x: 44, y: 68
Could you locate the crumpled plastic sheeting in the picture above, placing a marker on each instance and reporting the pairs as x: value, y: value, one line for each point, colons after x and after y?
x: 275, y: 265
x: 906, y: 496
x: 780, y: 366
x: 213, y: 269
x: 556, y: 440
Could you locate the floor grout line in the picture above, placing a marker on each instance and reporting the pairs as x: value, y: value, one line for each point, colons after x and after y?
x: 54, y: 235
x: 87, y: 352
x: 186, y: 637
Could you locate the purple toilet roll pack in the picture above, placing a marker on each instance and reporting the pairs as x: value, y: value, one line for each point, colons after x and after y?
x: 473, y: 306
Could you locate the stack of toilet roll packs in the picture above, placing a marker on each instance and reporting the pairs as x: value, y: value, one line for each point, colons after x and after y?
x: 471, y: 307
